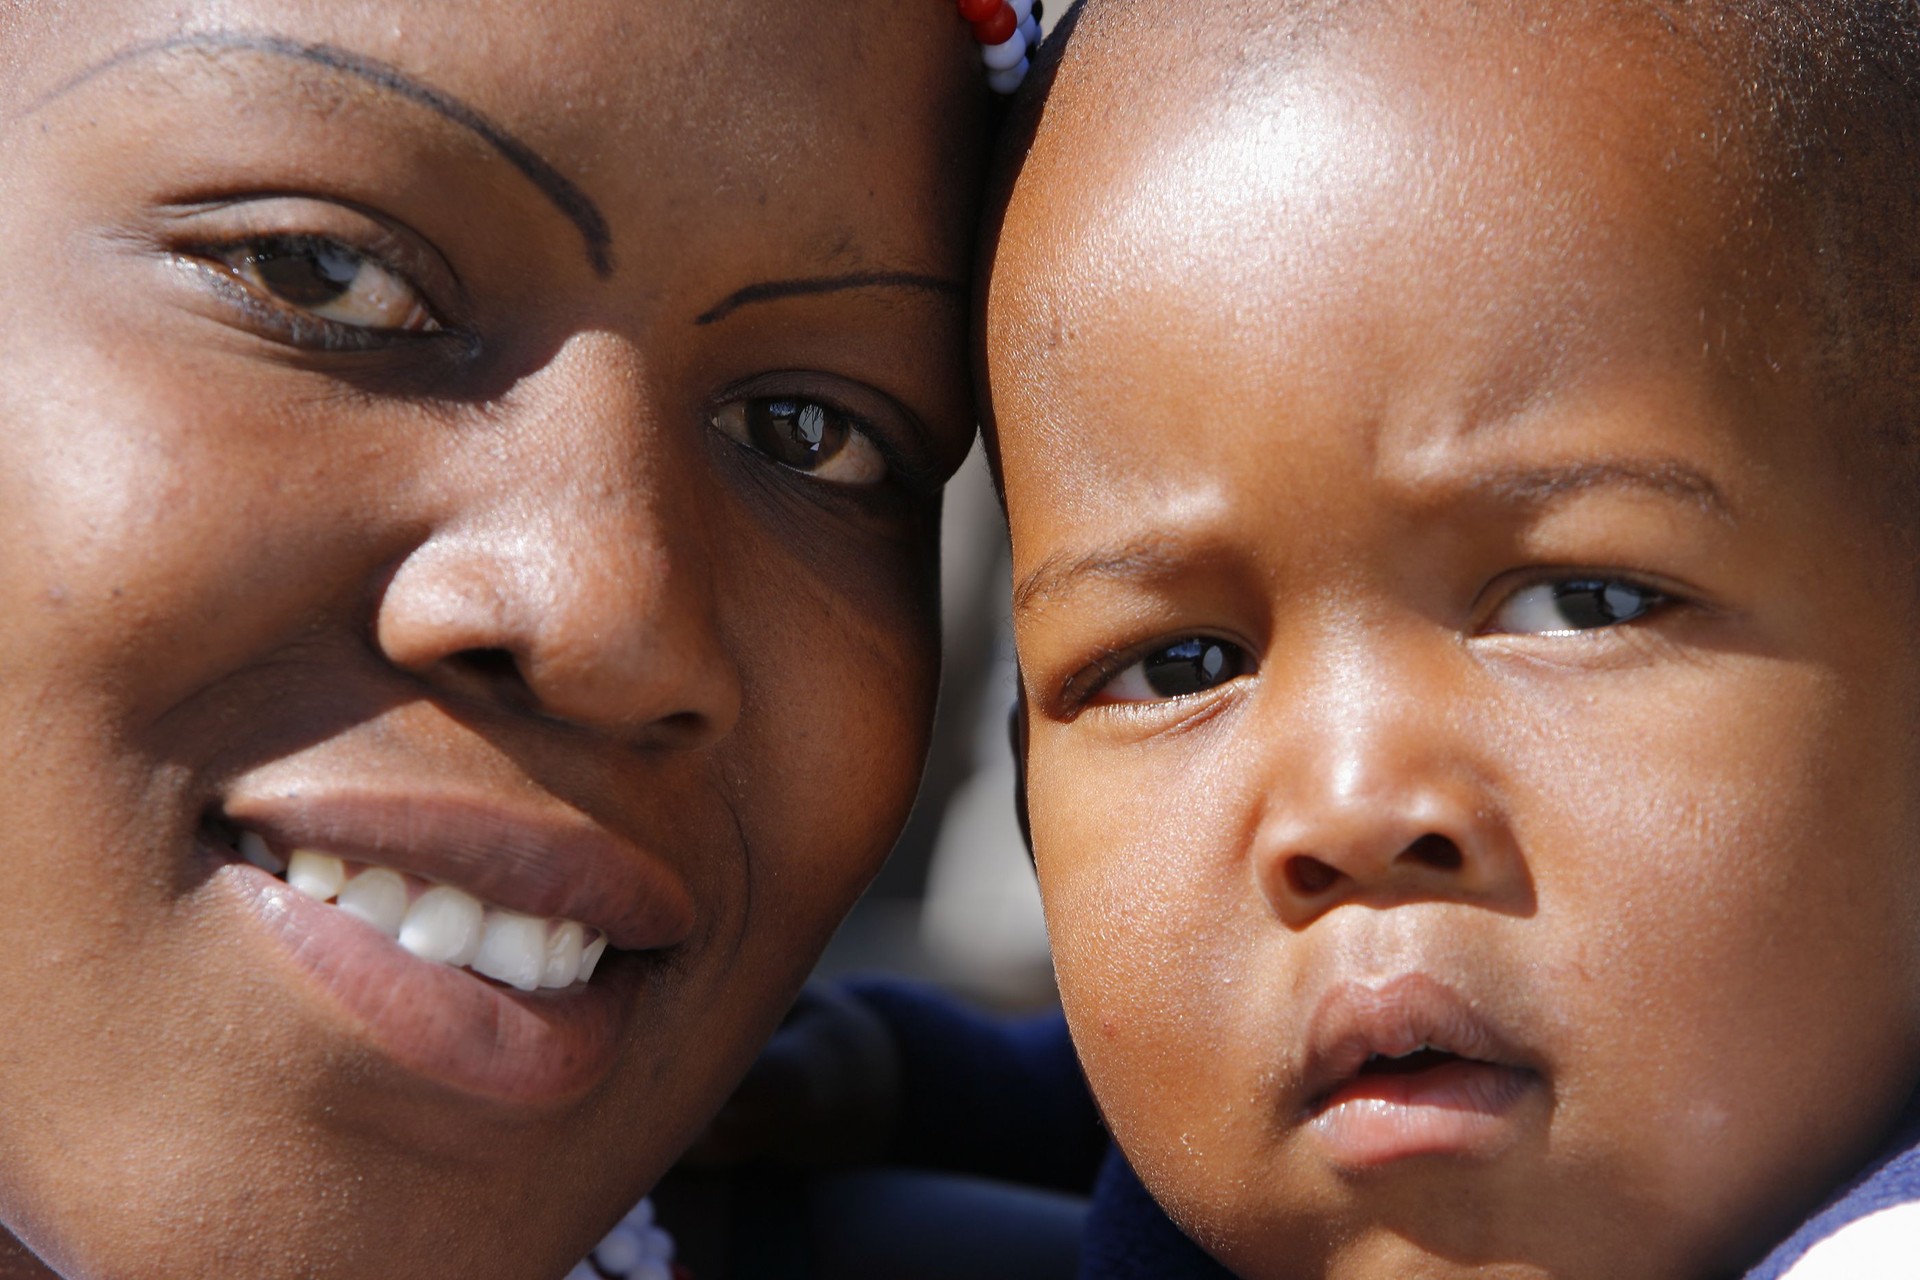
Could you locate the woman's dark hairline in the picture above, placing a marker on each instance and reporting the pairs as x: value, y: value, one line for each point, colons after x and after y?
x: 572, y: 202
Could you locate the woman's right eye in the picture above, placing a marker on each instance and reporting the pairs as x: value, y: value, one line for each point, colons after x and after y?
x: 805, y: 435
x: 1182, y: 669
x: 328, y: 281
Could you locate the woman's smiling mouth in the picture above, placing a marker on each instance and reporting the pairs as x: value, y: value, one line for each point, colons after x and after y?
x: 458, y: 936
x: 438, y: 922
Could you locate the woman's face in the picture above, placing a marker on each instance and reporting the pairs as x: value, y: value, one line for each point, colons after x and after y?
x: 497, y: 450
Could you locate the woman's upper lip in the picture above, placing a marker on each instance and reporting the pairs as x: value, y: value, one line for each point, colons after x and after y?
x: 533, y: 861
x: 1354, y: 1020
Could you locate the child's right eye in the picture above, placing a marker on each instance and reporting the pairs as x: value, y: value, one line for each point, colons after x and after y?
x: 1182, y: 669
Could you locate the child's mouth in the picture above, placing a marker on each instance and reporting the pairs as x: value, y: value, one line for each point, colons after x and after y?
x: 441, y: 923
x: 1409, y: 1069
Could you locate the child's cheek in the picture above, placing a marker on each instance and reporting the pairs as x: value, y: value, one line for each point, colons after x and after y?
x: 1156, y: 937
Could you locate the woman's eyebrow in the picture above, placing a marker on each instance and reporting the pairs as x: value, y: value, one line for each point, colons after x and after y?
x: 769, y: 290
x: 556, y: 186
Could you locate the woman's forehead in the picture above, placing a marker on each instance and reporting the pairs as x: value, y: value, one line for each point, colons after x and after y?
x: 609, y: 113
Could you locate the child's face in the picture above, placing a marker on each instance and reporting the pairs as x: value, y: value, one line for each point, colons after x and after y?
x: 392, y: 432
x: 1449, y: 620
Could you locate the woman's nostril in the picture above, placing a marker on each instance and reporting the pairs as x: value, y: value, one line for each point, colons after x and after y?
x: 1435, y: 852
x: 496, y: 666
x: 1310, y: 877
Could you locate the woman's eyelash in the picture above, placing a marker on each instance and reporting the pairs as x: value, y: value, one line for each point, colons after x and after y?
x: 809, y: 436
x: 317, y: 292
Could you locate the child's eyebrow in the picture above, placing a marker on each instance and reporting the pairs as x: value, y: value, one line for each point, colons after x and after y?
x: 556, y: 186
x: 1152, y: 555
x: 770, y: 290
x: 1534, y: 486
x: 1166, y: 555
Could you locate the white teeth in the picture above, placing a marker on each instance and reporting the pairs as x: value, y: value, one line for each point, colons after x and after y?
x: 319, y: 875
x: 377, y: 896
x: 256, y: 851
x: 513, y: 949
x: 443, y: 925
x: 590, y: 956
x: 564, y: 946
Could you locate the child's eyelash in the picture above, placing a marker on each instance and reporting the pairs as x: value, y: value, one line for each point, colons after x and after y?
x: 1100, y: 671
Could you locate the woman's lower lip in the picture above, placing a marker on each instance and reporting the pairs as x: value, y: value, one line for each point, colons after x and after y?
x: 1460, y: 1108
x: 440, y: 1023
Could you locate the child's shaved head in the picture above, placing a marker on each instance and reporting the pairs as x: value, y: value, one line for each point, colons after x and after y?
x: 1470, y: 684
x: 1810, y: 122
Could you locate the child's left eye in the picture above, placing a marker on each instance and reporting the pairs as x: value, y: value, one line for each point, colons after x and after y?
x: 1574, y: 604
x: 1182, y: 669
x: 328, y: 280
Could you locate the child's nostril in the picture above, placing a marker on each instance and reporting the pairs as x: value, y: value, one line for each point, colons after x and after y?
x: 1309, y: 876
x: 1437, y: 852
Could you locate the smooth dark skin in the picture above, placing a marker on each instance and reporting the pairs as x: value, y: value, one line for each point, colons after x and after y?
x: 1328, y: 347
x: 518, y: 560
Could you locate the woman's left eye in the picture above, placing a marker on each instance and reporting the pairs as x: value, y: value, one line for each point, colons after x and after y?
x: 1574, y: 604
x: 805, y: 435
x: 330, y: 281
x: 1182, y: 669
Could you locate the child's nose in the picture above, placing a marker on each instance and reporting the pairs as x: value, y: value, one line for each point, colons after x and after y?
x: 570, y: 580
x: 1385, y: 810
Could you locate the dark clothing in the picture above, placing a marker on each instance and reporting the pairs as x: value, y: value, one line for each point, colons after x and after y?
x: 988, y: 1096
x: 1000, y: 1098
x: 1128, y: 1237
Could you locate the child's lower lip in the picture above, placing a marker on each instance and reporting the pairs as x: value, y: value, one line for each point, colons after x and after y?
x: 1460, y: 1108
x: 440, y: 1023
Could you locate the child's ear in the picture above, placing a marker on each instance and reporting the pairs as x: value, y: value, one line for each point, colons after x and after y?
x: 1017, y: 739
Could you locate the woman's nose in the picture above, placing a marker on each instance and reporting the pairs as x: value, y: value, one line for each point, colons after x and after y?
x: 1383, y: 802
x: 573, y: 576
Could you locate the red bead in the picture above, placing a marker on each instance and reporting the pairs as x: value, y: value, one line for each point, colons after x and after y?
x: 979, y: 10
x: 999, y: 28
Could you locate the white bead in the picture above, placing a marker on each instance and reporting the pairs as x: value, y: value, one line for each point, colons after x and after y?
x: 622, y: 1251
x: 1006, y: 54
x: 641, y: 1215
x: 1031, y: 30
x: 1009, y: 80
x: 583, y: 1272
x: 1022, y: 9
x: 650, y: 1271
x: 659, y: 1245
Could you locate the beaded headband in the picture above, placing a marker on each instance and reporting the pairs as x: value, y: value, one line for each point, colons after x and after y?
x: 1007, y: 30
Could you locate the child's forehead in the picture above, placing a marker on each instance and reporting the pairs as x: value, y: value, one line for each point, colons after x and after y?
x: 1419, y: 230
x: 1382, y: 128
x: 1494, y: 200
